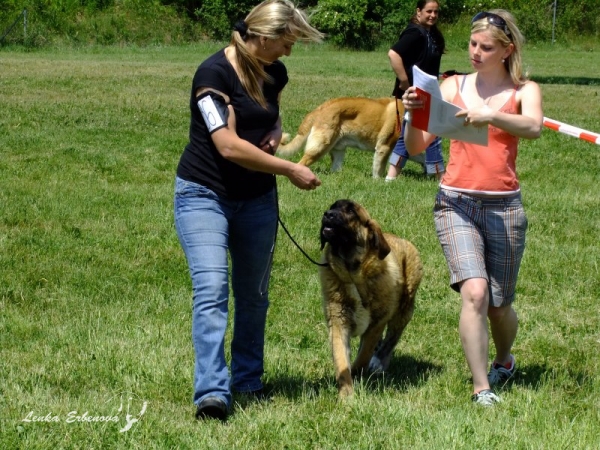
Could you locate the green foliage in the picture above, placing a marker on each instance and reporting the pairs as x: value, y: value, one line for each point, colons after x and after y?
x: 535, y: 18
x: 397, y: 16
x: 350, y: 23
x: 580, y: 18
x: 355, y: 24
x: 11, y: 17
x: 9, y: 10
x: 216, y: 17
x: 104, y: 22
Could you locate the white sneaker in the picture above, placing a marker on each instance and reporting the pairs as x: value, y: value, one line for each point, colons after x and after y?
x: 486, y: 398
x: 499, y: 374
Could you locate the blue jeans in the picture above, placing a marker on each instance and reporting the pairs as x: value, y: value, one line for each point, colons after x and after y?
x: 433, y: 161
x: 209, y: 228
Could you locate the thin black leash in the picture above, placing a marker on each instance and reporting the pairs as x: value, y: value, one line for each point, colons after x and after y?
x: 296, y: 244
x: 288, y: 233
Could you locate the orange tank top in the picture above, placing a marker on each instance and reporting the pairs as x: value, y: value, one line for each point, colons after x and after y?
x: 483, y: 170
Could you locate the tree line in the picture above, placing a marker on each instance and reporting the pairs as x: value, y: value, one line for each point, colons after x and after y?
x: 353, y: 24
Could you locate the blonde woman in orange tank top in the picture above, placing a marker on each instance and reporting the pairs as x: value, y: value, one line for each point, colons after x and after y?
x: 478, y: 212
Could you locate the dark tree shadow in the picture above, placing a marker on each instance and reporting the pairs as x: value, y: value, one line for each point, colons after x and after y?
x: 533, y: 376
x: 548, y: 79
x: 555, y: 79
x: 529, y: 376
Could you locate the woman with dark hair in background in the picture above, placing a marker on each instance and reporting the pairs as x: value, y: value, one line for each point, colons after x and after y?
x: 421, y: 44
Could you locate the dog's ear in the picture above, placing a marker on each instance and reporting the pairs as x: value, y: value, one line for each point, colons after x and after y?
x: 376, y: 239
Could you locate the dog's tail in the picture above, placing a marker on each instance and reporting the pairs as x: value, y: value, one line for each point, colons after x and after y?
x: 285, y: 138
x: 287, y: 147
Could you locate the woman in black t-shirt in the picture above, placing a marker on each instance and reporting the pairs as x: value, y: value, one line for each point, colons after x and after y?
x: 225, y: 199
x: 421, y: 44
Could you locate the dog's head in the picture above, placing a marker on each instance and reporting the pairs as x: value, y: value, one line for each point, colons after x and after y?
x: 349, y: 229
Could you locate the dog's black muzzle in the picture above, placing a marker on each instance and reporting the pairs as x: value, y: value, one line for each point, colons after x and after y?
x: 331, y: 221
x: 334, y: 228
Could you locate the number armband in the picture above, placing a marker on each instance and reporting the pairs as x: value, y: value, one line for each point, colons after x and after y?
x: 214, y: 110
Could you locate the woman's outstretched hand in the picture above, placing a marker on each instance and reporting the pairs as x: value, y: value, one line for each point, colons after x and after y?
x: 303, y: 178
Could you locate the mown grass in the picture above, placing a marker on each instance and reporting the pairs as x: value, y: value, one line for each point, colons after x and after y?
x: 95, y: 294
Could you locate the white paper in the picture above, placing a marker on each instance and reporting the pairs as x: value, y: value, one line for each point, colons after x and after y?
x: 426, y: 82
x: 439, y: 116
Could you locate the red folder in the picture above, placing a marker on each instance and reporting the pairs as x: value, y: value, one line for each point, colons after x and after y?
x: 420, y: 116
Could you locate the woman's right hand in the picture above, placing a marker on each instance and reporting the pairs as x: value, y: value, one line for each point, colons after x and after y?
x: 415, y: 140
x: 410, y: 99
x: 303, y: 178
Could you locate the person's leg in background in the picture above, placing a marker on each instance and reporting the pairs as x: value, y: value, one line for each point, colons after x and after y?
x: 431, y: 160
x: 434, y: 160
x: 398, y: 157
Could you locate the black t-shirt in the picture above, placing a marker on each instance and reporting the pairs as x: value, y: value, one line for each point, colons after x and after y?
x: 201, y: 162
x: 416, y: 46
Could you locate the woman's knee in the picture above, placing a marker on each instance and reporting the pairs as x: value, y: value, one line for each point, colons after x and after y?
x: 474, y: 292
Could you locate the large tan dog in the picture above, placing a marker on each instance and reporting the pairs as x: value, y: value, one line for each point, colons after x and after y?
x: 364, y: 123
x: 369, y: 283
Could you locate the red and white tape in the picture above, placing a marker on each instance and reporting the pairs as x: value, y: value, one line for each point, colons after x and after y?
x: 555, y: 125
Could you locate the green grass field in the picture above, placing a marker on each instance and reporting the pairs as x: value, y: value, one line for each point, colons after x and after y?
x: 95, y: 297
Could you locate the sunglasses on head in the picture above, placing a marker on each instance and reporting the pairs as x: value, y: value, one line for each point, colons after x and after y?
x: 492, y: 19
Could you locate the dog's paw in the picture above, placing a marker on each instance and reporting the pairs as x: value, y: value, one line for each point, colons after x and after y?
x: 346, y: 392
x: 376, y: 366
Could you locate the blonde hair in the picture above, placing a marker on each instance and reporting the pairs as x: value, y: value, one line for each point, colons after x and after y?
x: 513, y: 63
x: 272, y: 19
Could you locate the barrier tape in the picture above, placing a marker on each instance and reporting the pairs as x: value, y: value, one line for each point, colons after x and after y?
x: 555, y: 125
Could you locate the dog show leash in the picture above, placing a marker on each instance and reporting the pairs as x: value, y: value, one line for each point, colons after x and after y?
x: 297, y: 245
x: 288, y: 233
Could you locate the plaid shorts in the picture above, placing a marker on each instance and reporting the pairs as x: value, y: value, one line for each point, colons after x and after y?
x: 482, y: 238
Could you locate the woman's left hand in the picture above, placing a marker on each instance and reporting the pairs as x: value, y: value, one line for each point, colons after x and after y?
x: 269, y: 146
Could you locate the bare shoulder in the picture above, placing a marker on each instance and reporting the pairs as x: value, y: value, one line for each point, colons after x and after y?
x: 449, y: 87
x: 530, y: 90
x: 530, y: 86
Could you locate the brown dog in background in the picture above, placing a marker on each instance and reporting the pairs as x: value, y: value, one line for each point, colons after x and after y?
x: 364, y: 123
x: 368, y: 284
